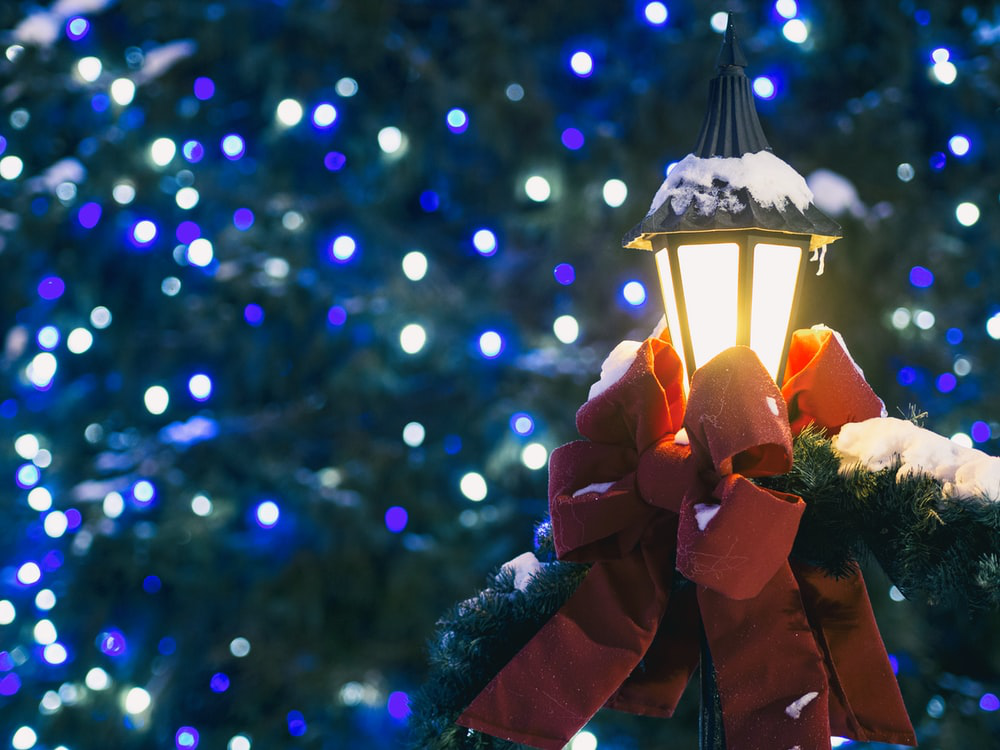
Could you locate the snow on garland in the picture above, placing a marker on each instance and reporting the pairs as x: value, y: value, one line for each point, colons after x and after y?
x: 886, y: 488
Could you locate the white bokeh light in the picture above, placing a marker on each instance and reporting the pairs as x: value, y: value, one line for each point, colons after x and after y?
x: 136, y: 700
x: 473, y: 486
x: 122, y: 91
x: 944, y: 72
x: 566, y: 329
x: 200, y: 252
x: 537, y: 188
x: 289, y: 112
x: 719, y: 21
x: 412, y: 338
x: 584, y: 740
x: 534, y: 456
x: 162, y: 151
x: 615, y: 192
x: 795, y: 31
x: 391, y: 140
x: 187, y: 198
x: 11, y: 167
x: 414, y: 434
x: 89, y: 69
x: 156, y: 399
x: 415, y: 265
x: 967, y: 214
x: 97, y: 679
x: 79, y: 340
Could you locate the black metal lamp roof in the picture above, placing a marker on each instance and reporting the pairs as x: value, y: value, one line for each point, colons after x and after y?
x: 731, y: 129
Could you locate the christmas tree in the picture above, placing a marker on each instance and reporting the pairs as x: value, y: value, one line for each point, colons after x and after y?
x: 302, y: 293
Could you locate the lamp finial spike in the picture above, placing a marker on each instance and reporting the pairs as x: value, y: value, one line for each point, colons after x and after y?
x: 731, y: 53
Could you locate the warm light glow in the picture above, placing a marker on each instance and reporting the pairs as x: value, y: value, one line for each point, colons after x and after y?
x: 710, y: 279
x: 775, y: 270
x: 670, y: 305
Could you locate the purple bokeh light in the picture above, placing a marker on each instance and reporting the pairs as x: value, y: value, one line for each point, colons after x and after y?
x: 204, y: 88
x: 396, y: 519
x: 51, y: 287
x: 112, y: 643
x: 89, y: 214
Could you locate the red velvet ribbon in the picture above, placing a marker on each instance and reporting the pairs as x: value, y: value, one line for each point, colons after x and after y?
x: 797, y: 654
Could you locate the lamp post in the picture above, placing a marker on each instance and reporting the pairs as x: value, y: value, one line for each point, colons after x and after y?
x: 730, y: 227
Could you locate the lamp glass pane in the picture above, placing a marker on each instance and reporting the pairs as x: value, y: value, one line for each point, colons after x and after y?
x: 670, y: 305
x: 710, y: 278
x: 775, y: 273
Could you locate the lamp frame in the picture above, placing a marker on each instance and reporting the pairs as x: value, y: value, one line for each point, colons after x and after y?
x: 746, y: 240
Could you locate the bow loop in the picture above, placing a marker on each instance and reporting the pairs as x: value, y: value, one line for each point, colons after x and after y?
x: 736, y: 418
x: 642, y: 406
x: 735, y: 545
x: 818, y: 365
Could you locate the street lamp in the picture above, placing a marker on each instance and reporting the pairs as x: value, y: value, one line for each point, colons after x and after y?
x: 730, y: 227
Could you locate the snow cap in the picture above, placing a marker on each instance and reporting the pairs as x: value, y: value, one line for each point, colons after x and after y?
x: 732, y: 181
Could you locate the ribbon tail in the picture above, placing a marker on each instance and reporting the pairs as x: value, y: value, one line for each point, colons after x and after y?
x: 581, y: 656
x: 865, y: 703
x: 656, y: 685
x: 771, y: 678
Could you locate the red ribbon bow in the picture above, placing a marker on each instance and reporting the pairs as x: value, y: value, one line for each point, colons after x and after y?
x: 797, y: 653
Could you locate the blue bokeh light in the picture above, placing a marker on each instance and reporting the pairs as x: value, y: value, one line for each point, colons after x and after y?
x: 342, y: 248
x: 430, y: 201
x: 634, y: 293
x: 112, y: 643
x: 51, y: 287
x: 266, y: 514
x: 582, y: 64
x: 151, y: 584
x: 143, y: 492
x: 491, y: 344
x: 89, y: 214
x: 980, y: 431
x: 396, y: 519
x: 186, y: 738
x: 946, y: 382
x: 938, y: 160
x: 954, y: 336
x: 398, y: 705
x: 906, y: 376
x: 253, y: 314
x: 219, y: 682
x: 522, y: 423
x: 336, y: 316
x: 243, y: 219
x: 457, y: 120
x: 324, y: 115
x: 204, y: 88
x: 167, y: 645
x: 187, y: 232
x: 959, y: 145
x: 485, y: 242
x: 921, y: 277
x: 77, y: 28
x: 193, y: 151
x: 655, y: 13
x: 989, y: 702
x: 27, y: 476
x: 334, y: 161
x: 564, y: 273
x: 572, y: 138
x: 764, y: 87
x: 296, y: 724
x: 233, y: 146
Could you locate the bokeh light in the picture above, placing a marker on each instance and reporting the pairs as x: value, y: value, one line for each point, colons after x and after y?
x: 491, y: 344
x: 485, y: 242
x: 959, y: 145
x: 324, y: 115
x: 614, y: 192
x: 473, y: 486
x: 634, y: 293
x: 967, y: 214
x: 200, y: 386
x: 414, y: 265
x: 289, y: 112
x: 157, y: 399
x: 795, y: 30
x: 537, y: 188
x: 764, y: 88
x: 566, y: 329
x: 414, y: 434
x: 267, y: 514
x: 412, y: 338
x: 656, y: 13
x: 581, y: 63
x: 396, y: 519
x: 534, y: 456
x: 572, y: 138
x: 342, y: 248
x: 457, y: 120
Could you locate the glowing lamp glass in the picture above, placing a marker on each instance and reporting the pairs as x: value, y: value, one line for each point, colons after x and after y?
x: 723, y: 294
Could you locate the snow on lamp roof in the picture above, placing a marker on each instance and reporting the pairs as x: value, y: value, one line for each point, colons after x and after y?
x: 732, y: 180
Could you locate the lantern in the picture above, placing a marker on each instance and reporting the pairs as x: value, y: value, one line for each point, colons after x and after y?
x: 731, y: 227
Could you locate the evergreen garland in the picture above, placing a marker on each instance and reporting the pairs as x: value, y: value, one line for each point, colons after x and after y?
x: 944, y: 550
